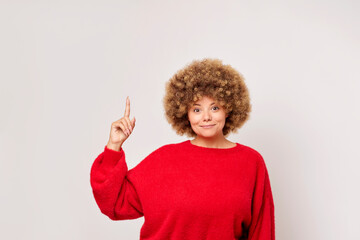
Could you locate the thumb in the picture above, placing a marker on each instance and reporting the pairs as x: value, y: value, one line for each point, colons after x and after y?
x: 133, y: 121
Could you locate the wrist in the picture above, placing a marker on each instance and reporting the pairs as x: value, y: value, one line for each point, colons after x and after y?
x: 115, y: 147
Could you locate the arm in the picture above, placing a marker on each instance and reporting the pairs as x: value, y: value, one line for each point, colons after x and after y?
x: 114, y: 193
x: 262, y: 226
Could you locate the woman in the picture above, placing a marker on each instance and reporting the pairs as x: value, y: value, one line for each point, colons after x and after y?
x: 204, y: 188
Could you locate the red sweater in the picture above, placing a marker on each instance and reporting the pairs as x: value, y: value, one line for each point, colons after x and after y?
x: 190, y: 192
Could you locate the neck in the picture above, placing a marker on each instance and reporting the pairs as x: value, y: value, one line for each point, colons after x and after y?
x: 211, y: 142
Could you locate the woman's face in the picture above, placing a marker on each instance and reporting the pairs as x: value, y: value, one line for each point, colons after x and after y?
x: 207, y: 118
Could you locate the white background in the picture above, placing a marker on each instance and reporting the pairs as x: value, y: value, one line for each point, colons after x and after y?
x: 67, y: 67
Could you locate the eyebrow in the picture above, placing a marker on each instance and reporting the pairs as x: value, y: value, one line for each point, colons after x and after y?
x: 200, y: 105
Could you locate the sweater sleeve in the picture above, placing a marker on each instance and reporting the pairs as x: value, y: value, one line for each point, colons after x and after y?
x: 262, y: 226
x: 114, y: 193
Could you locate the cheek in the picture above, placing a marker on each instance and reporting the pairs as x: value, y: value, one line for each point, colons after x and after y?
x: 221, y: 118
x: 194, y: 119
x: 191, y: 118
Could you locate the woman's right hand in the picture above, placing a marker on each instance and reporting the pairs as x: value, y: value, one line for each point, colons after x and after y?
x: 121, y: 129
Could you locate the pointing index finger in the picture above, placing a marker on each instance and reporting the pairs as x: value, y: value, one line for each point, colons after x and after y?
x: 127, y: 108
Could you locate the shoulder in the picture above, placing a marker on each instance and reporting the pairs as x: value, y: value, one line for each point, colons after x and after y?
x: 163, y: 151
x: 254, y: 155
x: 168, y: 149
x: 258, y: 166
x: 156, y: 159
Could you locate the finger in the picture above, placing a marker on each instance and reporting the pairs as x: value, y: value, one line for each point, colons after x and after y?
x: 123, y: 128
x: 128, y: 123
x: 127, y: 107
x: 118, y: 125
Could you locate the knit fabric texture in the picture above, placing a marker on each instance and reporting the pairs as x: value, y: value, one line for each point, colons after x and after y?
x: 188, y: 192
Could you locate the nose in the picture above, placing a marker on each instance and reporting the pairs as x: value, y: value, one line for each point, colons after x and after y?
x: 207, y: 116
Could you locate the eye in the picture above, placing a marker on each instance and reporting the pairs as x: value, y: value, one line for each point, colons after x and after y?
x: 195, y: 110
x: 216, y: 107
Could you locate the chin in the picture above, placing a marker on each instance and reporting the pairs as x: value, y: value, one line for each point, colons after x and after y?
x: 206, y: 135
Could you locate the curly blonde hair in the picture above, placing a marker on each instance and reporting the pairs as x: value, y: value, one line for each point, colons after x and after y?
x: 207, y: 77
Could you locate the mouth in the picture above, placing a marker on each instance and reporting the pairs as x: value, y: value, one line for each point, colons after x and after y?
x: 207, y: 126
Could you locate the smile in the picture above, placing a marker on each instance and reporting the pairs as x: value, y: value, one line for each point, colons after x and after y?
x: 207, y: 126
